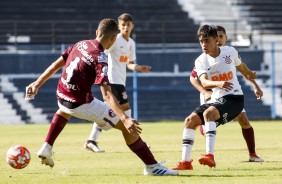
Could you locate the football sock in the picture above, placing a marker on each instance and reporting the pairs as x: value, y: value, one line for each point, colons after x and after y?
x: 210, y: 136
x: 57, y: 125
x: 249, y: 137
x: 141, y: 149
x: 95, y: 132
x: 187, y: 143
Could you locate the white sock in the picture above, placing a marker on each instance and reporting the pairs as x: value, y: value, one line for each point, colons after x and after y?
x: 187, y: 144
x: 95, y: 133
x: 210, y: 128
x: 128, y: 112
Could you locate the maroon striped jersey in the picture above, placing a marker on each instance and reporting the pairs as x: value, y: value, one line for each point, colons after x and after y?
x: 86, y: 64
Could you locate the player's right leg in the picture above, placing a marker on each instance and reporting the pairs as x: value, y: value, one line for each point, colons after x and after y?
x: 58, y: 123
x: 190, y: 124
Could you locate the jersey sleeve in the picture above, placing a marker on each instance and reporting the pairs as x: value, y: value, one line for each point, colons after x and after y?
x: 194, y: 73
x: 199, y: 68
x: 66, y: 53
x: 237, y: 58
x: 102, y: 70
x: 132, y: 55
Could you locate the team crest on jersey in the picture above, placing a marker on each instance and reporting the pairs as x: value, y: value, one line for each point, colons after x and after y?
x: 102, y: 58
x: 227, y: 59
x: 111, y: 113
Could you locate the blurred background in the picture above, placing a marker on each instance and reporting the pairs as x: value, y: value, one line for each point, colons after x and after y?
x: 33, y: 33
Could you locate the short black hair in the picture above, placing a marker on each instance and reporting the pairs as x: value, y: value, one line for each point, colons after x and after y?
x: 220, y: 28
x: 207, y: 30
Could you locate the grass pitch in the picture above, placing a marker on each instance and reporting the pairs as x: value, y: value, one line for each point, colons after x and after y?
x: 73, y: 164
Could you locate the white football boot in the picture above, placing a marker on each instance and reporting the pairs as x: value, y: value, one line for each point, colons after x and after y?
x: 93, y: 146
x: 45, y: 154
x: 255, y: 159
x: 159, y: 170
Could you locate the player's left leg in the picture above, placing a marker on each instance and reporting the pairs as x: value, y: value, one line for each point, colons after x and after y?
x: 140, y: 148
x: 249, y: 136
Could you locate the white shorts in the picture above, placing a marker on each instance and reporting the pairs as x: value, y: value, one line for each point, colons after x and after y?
x: 95, y: 111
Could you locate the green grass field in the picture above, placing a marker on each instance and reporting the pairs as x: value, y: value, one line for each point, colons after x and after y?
x: 73, y: 164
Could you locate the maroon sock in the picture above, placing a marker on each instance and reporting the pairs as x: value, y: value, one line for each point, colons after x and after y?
x: 249, y: 137
x: 141, y: 149
x: 57, y: 125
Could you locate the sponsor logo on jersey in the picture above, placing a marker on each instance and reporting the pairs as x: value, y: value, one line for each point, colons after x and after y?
x: 223, y: 76
x: 82, y: 47
x: 227, y: 59
x: 68, y: 85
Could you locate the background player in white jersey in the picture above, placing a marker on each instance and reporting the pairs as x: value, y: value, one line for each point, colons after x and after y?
x: 216, y: 68
x: 121, y: 56
x: 247, y: 129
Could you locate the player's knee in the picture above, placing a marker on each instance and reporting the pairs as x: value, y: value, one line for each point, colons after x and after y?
x: 192, y: 121
x: 211, y: 114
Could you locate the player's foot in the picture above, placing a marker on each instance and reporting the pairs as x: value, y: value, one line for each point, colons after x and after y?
x: 255, y: 158
x: 158, y: 170
x: 183, y: 165
x: 202, y: 130
x: 93, y: 146
x: 207, y: 159
x: 45, y: 154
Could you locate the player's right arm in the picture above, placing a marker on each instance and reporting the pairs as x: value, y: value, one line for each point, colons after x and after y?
x: 32, y: 89
x: 207, y: 93
x: 130, y: 124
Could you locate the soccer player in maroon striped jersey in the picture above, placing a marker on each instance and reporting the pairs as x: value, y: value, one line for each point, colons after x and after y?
x: 85, y: 64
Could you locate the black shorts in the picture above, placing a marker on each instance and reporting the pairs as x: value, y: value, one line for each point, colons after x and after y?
x: 229, y: 107
x: 120, y: 93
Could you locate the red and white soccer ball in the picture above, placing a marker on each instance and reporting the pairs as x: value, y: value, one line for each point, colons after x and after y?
x: 18, y: 157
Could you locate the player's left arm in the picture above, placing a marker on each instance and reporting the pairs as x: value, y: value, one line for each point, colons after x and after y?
x: 246, y: 72
x: 250, y: 76
x: 139, y: 68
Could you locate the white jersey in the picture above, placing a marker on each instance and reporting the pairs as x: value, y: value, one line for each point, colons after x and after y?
x: 221, y: 68
x: 119, y: 54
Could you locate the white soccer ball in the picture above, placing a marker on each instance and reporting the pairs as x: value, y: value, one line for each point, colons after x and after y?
x: 18, y: 157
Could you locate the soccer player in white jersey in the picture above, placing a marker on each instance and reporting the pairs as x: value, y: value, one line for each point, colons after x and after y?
x: 216, y: 68
x: 121, y: 56
x: 205, y: 95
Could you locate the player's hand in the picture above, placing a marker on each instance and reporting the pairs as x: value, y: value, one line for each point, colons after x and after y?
x: 145, y: 68
x: 132, y: 126
x: 258, y: 93
x: 31, y: 91
x: 227, y: 86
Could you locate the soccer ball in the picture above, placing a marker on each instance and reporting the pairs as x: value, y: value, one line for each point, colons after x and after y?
x: 18, y: 157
